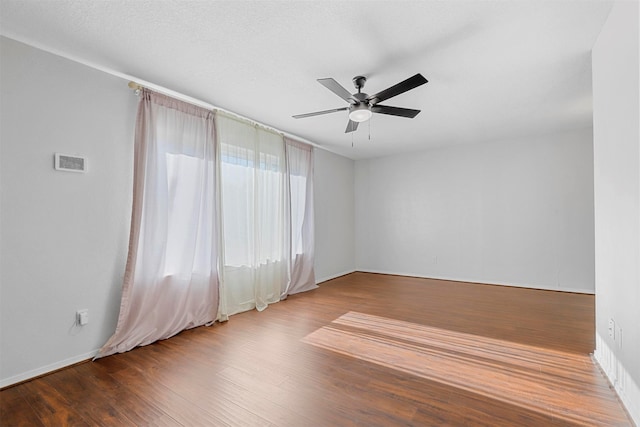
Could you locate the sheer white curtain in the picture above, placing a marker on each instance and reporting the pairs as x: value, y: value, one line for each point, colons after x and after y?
x: 267, y: 205
x: 299, y: 158
x: 171, y: 280
x: 256, y: 226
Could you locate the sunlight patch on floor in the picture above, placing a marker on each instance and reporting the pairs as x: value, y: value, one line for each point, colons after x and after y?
x: 543, y: 380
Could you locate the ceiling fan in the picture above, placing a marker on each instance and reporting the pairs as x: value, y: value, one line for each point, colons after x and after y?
x: 361, y: 105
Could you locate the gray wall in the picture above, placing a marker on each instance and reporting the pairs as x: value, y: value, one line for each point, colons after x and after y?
x: 334, y: 215
x: 617, y: 200
x: 64, y: 235
x: 516, y: 212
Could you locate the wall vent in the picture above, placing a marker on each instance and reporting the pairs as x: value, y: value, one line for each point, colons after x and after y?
x: 69, y: 163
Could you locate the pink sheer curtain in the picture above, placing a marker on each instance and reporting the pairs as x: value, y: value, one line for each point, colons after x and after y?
x: 171, y: 278
x: 299, y: 161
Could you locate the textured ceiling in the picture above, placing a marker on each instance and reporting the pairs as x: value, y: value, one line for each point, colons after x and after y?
x: 496, y: 69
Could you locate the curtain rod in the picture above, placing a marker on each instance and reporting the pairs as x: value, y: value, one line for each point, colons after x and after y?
x: 137, y: 87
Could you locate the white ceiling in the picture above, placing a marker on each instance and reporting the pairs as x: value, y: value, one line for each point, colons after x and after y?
x: 496, y: 69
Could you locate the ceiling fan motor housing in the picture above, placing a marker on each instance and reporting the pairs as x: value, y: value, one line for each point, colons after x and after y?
x: 361, y: 97
x: 360, y: 111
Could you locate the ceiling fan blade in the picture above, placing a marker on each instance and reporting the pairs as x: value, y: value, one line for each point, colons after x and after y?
x: 394, y: 111
x: 351, y: 126
x: 411, y: 83
x: 336, y: 88
x: 317, y: 113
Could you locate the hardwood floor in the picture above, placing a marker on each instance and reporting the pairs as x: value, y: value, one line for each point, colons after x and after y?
x: 363, y: 350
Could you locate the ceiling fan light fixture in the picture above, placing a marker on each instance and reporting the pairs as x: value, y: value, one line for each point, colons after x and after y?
x: 360, y: 113
x: 361, y: 105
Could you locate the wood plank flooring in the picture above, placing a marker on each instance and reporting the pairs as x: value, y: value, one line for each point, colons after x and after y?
x: 362, y: 350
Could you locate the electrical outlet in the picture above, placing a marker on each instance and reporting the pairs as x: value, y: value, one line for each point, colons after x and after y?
x: 82, y: 317
x: 612, y: 329
x: 619, y: 336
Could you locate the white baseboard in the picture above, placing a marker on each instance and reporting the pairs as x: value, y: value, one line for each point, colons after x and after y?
x: 625, y: 386
x: 458, y: 279
x: 634, y: 393
x: 334, y: 276
x: 4, y: 382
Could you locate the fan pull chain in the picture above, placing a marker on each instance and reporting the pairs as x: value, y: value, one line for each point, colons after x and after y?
x: 352, y: 139
x: 370, y: 128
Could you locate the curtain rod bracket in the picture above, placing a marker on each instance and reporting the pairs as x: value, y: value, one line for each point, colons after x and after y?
x: 136, y: 87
